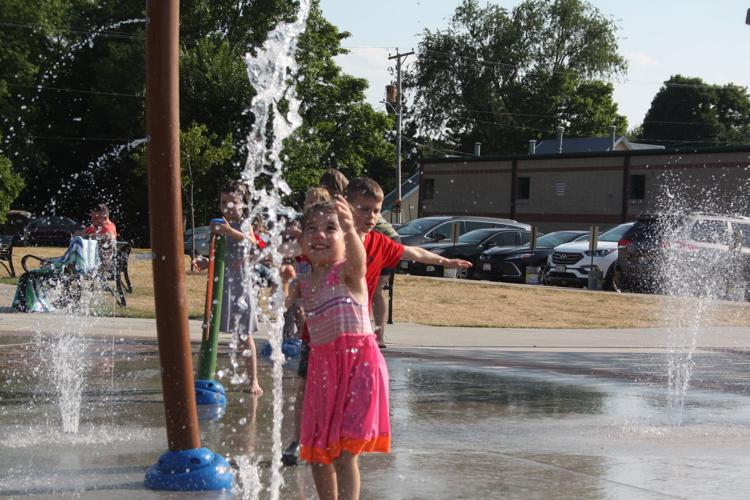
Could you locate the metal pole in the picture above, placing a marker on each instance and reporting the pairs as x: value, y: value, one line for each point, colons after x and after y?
x: 209, y: 349
x: 165, y: 217
x: 398, y: 58
x: 398, y: 134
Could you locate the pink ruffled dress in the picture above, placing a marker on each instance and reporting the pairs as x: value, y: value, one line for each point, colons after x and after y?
x: 346, y: 396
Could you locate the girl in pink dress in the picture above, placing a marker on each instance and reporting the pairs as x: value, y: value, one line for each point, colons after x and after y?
x: 345, y: 411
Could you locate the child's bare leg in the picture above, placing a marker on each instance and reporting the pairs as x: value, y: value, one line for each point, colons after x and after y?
x: 324, y: 476
x: 251, y: 365
x: 347, y: 476
x: 379, y: 310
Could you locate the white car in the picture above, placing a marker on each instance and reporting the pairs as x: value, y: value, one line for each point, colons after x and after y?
x: 571, y: 263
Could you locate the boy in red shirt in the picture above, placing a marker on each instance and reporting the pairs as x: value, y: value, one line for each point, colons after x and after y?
x: 366, y: 198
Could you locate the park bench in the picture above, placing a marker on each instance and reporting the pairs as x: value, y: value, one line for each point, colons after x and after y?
x: 112, y: 274
x: 6, y: 254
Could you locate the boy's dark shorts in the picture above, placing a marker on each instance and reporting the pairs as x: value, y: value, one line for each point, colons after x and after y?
x: 387, y: 272
x: 304, y: 356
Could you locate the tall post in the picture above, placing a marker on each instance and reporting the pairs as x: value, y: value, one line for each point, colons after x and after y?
x: 186, y: 466
x: 398, y: 57
x: 165, y: 218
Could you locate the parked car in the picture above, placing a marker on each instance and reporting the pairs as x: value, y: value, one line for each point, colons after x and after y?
x: 570, y: 263
x: 696, y: 246
x: 436, y: 229
x: 469, y: 246
x: 202, y: 241
x: 15, y: 222
x: 51, y: 231
x: 509, y: 264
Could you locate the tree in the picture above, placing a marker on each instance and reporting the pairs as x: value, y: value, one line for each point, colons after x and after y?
x: 10, y: 185
x: 689, y: 110
x: 340, y: 130
x: 503, y: 77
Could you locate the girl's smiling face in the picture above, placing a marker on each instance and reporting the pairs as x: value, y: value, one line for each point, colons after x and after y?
x: 232, y: 206
x: 322, y: 239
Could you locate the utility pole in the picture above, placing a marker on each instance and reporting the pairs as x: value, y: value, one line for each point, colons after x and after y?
x: 399, y: 57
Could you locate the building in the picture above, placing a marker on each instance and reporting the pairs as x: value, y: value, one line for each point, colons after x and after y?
x: 578, y: 189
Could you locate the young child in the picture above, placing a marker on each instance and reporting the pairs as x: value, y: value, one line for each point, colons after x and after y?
x: 238, y: 311
x: 366, y: 198
x: 346, y: 402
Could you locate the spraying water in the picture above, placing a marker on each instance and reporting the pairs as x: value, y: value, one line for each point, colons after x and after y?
x: 694, y: 262
x: 269, y: 71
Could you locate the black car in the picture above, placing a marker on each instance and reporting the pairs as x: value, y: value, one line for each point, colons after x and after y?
x: 469, y: 246
x: 15, y: 222
x: 509, y: 264
x: 440, y: 228
x: 51, y: 231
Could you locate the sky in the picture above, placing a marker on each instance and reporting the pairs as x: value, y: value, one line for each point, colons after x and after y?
x: 659, y: 38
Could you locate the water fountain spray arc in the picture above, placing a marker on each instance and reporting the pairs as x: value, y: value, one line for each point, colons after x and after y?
x: 186, y: 466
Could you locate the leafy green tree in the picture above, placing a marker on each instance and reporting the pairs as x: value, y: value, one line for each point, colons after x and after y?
x: 340, y: 130
x: 503, y: 77
x: 689, y: 110
x: 10, y: 186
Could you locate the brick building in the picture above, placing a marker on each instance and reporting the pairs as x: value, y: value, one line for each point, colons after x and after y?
x: 576, y: 190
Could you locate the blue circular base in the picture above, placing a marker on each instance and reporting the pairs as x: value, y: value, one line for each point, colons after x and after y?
x: 199, y: 469
x: 290, y: 347
x: 210, y: 392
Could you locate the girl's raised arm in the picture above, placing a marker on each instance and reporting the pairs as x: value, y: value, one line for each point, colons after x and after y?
x: 356, y: 259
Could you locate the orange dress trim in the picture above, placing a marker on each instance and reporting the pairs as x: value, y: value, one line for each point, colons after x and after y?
x: 354, y: 446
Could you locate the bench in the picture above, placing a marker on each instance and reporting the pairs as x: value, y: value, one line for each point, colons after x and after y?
x: 113, y: 270
x: 6, y: 254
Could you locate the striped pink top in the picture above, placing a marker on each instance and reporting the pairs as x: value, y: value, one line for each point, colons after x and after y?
x: 331, y: 311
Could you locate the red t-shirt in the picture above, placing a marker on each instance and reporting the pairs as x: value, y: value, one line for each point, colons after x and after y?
x: 107, y: 228
x: 382, y: 253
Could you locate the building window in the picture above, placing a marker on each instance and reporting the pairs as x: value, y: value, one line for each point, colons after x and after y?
x: 638, y: 187
x: 524, y: 188
x: 429, y: 189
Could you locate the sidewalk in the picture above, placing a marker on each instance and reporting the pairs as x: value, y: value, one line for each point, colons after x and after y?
x: 412, y: 336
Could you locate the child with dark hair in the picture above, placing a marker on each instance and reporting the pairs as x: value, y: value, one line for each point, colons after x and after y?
x: 239, y: 309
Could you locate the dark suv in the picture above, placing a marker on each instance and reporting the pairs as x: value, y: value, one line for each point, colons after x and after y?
x: 663, y: 249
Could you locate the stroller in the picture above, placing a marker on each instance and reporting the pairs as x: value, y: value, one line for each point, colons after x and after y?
x: 59, y: 282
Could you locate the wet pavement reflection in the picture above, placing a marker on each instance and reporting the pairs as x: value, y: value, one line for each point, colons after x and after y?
x: 468, y: 424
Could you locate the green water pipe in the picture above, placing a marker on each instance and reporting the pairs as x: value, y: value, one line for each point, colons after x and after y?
x: 210, y: 345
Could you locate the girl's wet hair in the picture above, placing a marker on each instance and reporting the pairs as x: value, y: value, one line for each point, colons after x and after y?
x: 317, y: 210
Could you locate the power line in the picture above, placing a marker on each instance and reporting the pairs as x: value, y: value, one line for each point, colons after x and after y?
x: 77, y: 91
x: 108, y: 34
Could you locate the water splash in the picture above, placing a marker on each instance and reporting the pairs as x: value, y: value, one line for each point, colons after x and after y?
x: 275, y: 107
x: 700, y: 277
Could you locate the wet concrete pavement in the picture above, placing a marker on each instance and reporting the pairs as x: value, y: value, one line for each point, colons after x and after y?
x: 476, y: 413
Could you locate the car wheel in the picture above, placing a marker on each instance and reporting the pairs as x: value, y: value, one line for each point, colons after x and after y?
x: 610, y: 282
x: 462, y: 274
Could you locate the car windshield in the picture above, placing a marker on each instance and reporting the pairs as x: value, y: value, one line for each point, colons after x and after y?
x: 476, y: 237
x: 418, y: 226
x: 616, y: 233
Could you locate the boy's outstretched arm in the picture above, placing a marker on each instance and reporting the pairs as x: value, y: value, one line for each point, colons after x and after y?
x: 426, y: 257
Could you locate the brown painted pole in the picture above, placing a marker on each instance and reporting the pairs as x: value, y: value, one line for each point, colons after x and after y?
x: 165, y: 217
